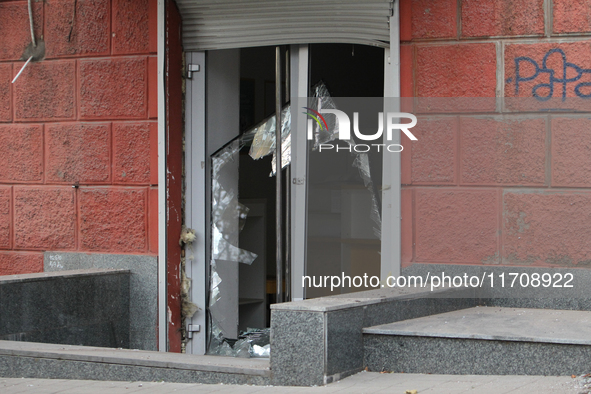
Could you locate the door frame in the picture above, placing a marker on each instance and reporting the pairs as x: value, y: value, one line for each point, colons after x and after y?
x: 391, y: 250
x: 196, y: 218
x: 196, y: 177
x: 196, y: 165
x: 299, y: 168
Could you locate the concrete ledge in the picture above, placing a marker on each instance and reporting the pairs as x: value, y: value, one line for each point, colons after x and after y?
x: 503, y: 324
x: 318, y: 341
x: 370, y: 297
x: 41, y: 276
x: 143, y: 287
x: 78, y: 307
x: 430, y: 355
x: 43, y: 368
x: 24, y: 359
x: 250, y: 366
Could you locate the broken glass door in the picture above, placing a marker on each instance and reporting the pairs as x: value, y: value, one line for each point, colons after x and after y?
x: 237, y: 304
x: 231, y: 199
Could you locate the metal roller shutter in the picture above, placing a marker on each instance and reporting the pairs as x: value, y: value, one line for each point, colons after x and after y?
x: 226, y: 24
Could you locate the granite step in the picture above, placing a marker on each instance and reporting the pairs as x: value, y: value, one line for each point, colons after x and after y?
x: 484, y: 341
x: 42, y: 360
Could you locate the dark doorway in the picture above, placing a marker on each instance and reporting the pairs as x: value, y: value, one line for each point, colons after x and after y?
x: 344, y: 198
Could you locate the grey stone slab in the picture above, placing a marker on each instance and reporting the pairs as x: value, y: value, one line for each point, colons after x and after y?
x: 344, y: 339
x: 344, y: 344
x: 419, y: 354
x: 89, y: 307
x: 297, y: 348
x: 143, y: 288
x: 251, y: 366
x: 335, y: 344
x: 492, y: 323
x: 410, y: 308
x: 31, y: 367
x: 370, y: 297
x: 48, y: 276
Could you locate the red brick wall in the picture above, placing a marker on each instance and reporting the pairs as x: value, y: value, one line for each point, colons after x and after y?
x: 506, y: 186
x: 85, y: 116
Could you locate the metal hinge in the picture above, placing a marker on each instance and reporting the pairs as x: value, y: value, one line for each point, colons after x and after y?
x: 191, y: 329
x: 298, y: 181
x: 192, y: 68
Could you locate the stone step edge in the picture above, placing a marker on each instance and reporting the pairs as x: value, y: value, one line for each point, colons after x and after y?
x: 123, y: 357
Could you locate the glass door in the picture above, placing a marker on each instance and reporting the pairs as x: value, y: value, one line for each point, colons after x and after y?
x: 345, y: 178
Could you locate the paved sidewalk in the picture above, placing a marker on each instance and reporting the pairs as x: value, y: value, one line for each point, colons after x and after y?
x: 364, y: 382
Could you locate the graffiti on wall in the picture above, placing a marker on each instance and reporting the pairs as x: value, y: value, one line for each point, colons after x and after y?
x: 553, y: 79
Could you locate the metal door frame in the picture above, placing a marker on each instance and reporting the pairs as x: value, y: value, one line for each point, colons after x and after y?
x: 299, y: 169
x: 196, y: 196
x: 196, y: 177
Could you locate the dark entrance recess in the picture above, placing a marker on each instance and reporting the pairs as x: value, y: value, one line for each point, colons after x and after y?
x: 344, y: 211
x: 347, y: 70
x: 256, y: 186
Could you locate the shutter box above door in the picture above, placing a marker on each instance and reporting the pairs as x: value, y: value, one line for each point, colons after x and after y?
x: 226, y: 24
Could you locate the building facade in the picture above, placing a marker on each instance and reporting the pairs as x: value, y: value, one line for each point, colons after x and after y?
x: 92, y: 135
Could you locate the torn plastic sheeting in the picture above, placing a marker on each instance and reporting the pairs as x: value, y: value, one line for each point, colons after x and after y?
x: 258, y: 341
x: 228, y: 215
x: 285, y: 156
x: 228, y: 219
x: 261, y: 351
x: 222, y: 157
x: 227, y: 211
x: 251, y: 343
x: 221, y: 201
x: 215, y: 286
x: 322, y: 100
x: 222, y: 247
x: 216, y: 340
x: 263, y: 139
x: 224, y: 250
x: 217, y: 317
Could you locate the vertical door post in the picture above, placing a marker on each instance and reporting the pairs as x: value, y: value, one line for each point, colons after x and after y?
x: 278, y: 177
x: 391, y: 215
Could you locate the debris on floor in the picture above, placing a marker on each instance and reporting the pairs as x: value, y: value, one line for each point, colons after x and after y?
x: 253, y: 342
